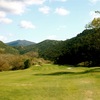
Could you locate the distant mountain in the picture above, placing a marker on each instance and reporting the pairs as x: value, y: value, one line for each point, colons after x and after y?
x: 7, y: 49
x: 44, y: 48
x: 20, y: 43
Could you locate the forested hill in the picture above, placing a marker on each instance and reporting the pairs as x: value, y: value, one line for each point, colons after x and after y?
x: 84, y: 48
x: 48, y: 49
x: 7, y: 49
x: 42, y: 47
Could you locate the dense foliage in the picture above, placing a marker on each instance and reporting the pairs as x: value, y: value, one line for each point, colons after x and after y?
x: 83, y: 48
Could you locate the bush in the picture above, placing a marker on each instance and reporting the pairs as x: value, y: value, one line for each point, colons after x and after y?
x: 14, y: 62
x: 4, y: 62
x: 19, y: 62
x: 27, y: 64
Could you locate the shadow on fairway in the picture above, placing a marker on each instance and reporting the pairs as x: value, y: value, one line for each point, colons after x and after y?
x: 72, y: 73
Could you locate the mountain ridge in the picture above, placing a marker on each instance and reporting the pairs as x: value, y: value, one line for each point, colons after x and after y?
x: 20, y: 43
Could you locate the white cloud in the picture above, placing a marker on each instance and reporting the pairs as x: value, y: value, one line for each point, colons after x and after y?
x: 94, y: 1
x: 17, y: 6
x: 44, y: 9
x: 27, y: 25
x: 4, y: 19
x: 62, y: 27
x: 94, y: 15
x: 3, y: 38
x: 63, y: 0
x: 38, y: 2
x: 57, y: 0
x: 62, y: 11
x: 51, y: 37
x: 2, y: 14
x: 10, y: 35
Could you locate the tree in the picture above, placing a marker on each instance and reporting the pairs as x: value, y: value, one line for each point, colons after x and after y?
x: 95, y: 23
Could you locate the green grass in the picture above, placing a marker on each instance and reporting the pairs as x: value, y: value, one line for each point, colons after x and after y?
x: 51, y: 82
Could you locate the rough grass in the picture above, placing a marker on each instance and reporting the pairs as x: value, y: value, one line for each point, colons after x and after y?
x: 51, y: 82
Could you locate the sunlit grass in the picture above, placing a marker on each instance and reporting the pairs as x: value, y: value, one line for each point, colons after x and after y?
x: 51, y: 82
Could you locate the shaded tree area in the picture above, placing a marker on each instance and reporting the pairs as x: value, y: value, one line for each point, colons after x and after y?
x: 49, y: 49
x: 83, y: 48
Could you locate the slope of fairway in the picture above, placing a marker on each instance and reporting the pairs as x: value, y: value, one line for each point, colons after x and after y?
x: 51, y: 82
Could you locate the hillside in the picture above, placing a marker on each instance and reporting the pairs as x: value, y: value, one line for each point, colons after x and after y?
x: 20, y: 43
x: 84, y: 48
x: 7, y: 49
x: 48, y: 49
x: 42, y: 47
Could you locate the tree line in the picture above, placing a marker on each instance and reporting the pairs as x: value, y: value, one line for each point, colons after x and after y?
x: 84, y: 49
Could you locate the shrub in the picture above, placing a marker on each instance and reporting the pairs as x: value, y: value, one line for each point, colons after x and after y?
x: 14, y: 62
x: 4, y: 63
x: 27, y: 64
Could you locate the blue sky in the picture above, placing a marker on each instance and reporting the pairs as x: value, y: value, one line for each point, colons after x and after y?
x: 37, y: 20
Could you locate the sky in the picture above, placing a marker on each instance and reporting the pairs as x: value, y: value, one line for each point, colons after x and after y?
x: 38, y: 20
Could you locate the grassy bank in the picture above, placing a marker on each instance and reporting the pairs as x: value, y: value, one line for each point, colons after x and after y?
x: 51, y: 82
